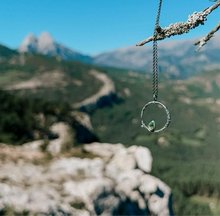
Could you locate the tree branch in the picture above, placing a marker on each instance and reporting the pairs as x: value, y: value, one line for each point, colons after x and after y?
x: 194, y: 20
x: 203, y: 40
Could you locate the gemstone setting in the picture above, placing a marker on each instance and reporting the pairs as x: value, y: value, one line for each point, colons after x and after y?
x: 151, y: 126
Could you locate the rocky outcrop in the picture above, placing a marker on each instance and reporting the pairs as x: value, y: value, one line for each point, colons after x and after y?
x: 66, y: 134
x: 116, y: 181
x: 83, y: 128
x: 45, y: 44
x: 65, y: 138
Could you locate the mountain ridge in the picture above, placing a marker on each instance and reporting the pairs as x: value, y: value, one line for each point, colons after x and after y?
x: 45, y: 44
x: 177, y: 59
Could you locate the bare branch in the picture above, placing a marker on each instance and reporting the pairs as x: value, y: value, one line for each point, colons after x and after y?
x: 203, y: 40
x: 194, y: 20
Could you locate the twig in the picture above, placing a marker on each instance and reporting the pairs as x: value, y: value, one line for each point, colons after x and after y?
x: 203, y: 40
x: 194, y: 20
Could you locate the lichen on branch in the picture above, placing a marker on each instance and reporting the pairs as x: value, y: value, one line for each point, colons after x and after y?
x: 193, y: 21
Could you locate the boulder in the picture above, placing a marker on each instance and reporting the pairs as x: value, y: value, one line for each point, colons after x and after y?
x: 39, y: 200
x: 105, y: 150
x: 144, y: 159
x: 92, y: 192
x: 122, y: 161
x: 159, y: 205
x: 148, y: 184
x: 78, y: 167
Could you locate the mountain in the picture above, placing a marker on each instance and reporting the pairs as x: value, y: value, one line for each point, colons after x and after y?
x: 176, y: 58
x: 6, y: 53
x: 45, y: 44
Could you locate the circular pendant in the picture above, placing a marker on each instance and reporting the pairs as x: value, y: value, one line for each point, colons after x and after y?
x: 152, y: 125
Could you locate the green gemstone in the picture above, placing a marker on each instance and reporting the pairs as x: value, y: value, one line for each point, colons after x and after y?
x: 151, y: 126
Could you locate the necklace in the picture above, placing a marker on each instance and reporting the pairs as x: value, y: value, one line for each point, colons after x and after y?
x: 151, y: 127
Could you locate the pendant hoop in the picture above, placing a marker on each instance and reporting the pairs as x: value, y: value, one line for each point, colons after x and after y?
x: 152, y: 125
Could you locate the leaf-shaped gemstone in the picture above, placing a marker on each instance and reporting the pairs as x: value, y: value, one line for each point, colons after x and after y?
x: 151, y: 126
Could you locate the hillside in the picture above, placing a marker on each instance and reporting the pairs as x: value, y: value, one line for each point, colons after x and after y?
x: 39, y: 76
x: 24, y: 120
x: 186, y: 155
x: 37, y: 86
x: 177, y: 59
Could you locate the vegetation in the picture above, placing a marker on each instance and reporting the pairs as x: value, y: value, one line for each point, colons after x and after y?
x: 59, y: 80
x: 186, y: 155
x: 78, y: 205
x: 6, y: 52
x: 8, y: 211
x: 188, y: 159
x: 23, y: 120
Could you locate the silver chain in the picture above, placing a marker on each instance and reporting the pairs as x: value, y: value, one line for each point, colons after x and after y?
x: 151, y: 127
x: 155, y: 55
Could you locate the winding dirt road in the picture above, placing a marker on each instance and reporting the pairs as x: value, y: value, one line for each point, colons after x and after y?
x: 108, y: 88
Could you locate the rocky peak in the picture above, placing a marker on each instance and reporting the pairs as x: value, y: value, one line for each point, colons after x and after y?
x: 46, y: 43
x: 43, y: 44
x: 29, y: 44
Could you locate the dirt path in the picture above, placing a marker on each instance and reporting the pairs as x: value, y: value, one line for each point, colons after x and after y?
x: 46, y: 80
x: 108, y: 88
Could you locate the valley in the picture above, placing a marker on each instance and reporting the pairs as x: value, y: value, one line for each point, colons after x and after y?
x: 186, y: 155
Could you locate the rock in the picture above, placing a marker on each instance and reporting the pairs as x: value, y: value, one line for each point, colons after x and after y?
x: 115, y: 184
x: 132, y: 149
x: 88, y: 188
x: 91, y: 190
x: 132, y: 176
x: 63, y: 131
x: 104, y: 150
x: 144, y: 159
x: 122, y: 161
x: 148, y: 184
x: 159, y: 206
x: 107, y: 205
x: 32, y: 146
x: 136, y: 197
x: 76, y: 167
x: 128, y: 182
x: 162, y: 141
x: 42, y: 200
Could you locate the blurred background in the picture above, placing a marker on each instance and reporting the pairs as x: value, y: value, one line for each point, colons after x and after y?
x: 72, y: 86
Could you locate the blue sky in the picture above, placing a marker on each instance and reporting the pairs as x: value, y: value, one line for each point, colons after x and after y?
x: 93, y: 26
